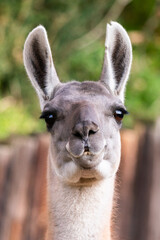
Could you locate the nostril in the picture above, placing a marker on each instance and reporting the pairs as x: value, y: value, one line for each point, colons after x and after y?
x: 77, y: 130
x: 77, y: 134
x: 91, y: 132
x: 94, y: 128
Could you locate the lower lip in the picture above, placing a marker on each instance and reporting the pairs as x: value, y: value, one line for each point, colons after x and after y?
x: 87, y: 180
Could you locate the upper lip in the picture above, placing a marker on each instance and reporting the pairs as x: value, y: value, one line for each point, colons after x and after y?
x: 85, y: 152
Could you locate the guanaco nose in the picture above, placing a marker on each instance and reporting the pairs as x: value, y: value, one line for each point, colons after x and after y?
x: 83, y: 130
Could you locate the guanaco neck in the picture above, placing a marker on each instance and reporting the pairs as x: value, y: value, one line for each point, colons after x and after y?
x: 79, y: 213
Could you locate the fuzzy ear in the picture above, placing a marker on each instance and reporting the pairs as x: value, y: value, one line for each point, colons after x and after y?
x: 117, y: 59
x: 39, y: 64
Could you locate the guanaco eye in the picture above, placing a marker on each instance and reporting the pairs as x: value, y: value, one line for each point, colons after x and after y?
x: 49, y: 119
x: 119, y: 114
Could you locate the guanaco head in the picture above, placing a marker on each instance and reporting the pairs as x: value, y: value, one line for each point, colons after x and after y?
x: 83, y: 118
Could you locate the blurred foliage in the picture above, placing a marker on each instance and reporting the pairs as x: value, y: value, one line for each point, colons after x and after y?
x: 68, y: 24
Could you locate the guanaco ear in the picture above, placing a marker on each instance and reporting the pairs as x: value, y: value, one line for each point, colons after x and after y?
x: 117, y: 59
x: 39, y: 64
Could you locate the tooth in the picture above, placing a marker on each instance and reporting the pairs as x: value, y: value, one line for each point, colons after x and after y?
x: 87, y: 153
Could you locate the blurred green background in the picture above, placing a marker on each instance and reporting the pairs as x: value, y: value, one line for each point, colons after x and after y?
x: 76, y: 31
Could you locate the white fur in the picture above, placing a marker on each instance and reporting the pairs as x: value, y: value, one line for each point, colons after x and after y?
x: 79, y: 213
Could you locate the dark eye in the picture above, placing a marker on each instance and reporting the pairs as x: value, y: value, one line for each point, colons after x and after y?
x: 119, y: 114
x: 49, y: 119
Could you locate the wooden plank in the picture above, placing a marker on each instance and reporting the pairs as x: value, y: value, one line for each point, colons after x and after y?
x: 126, y: 175
x: 16, y: 186
x: 5, y: 158
x: 35, y: 226
x: 154, y: 209
x: 142, y: 188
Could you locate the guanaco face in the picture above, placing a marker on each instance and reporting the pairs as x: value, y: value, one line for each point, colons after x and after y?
x: 83, y: 118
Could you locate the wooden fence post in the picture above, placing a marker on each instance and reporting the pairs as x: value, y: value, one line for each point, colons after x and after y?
x: 154, y: 203
x: 125, y: 181
x: 23, y: 188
